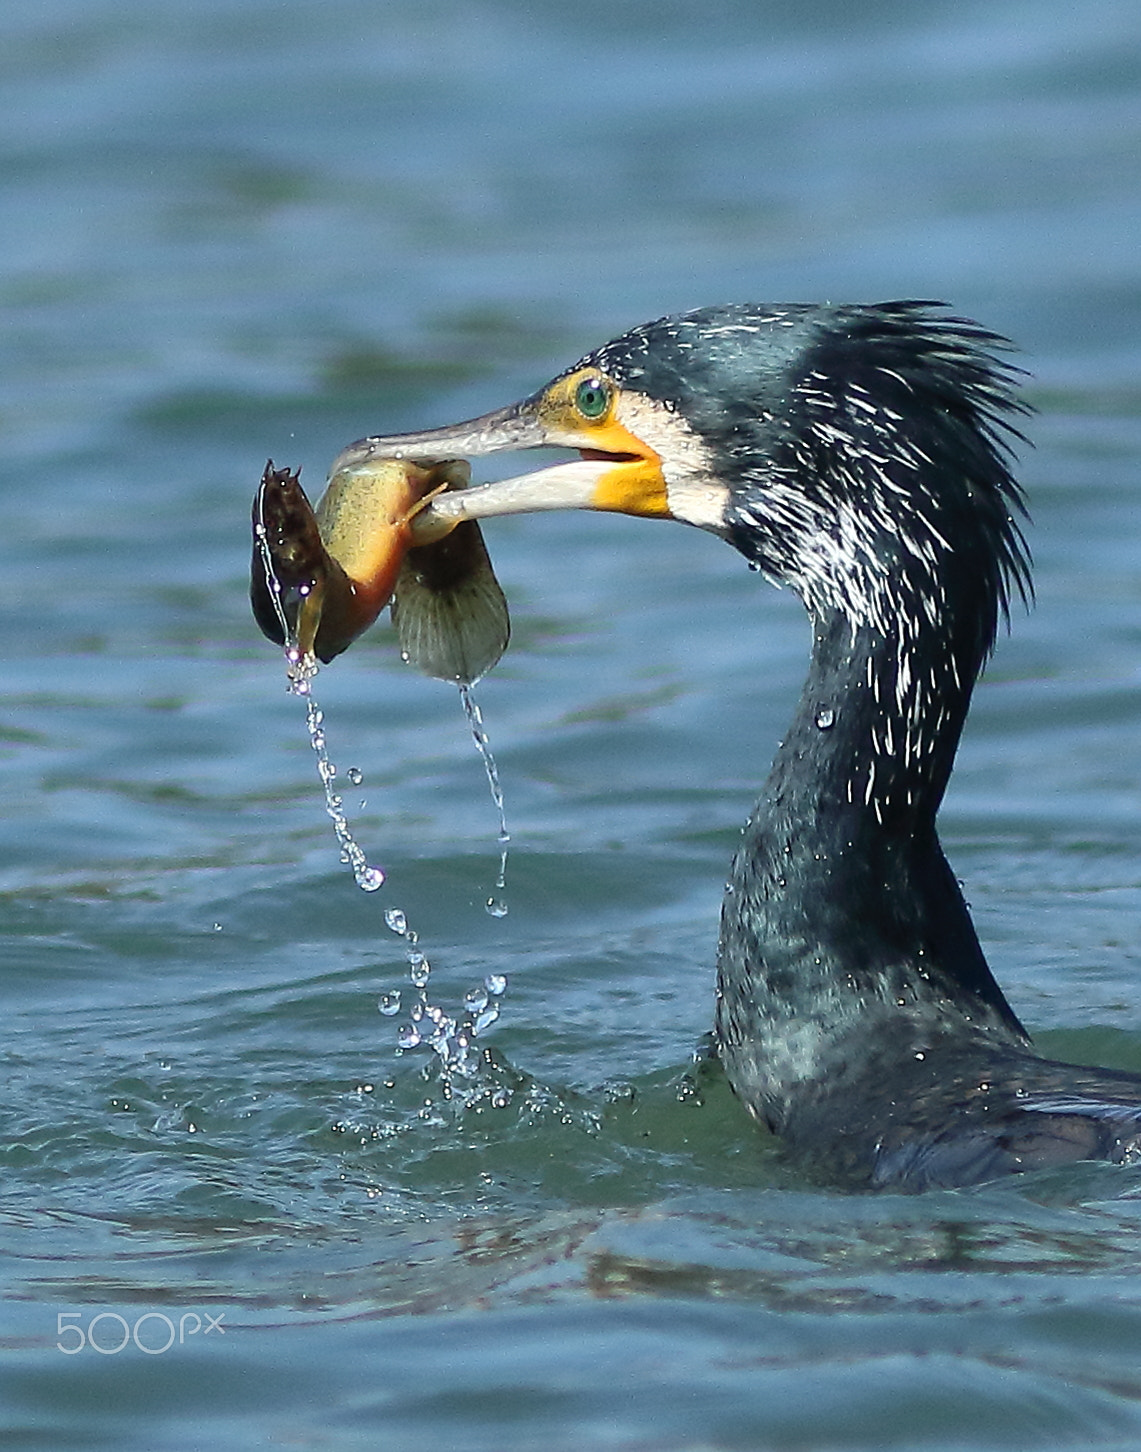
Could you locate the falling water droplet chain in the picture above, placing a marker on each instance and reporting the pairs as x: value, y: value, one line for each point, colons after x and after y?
x: 450, y: 1036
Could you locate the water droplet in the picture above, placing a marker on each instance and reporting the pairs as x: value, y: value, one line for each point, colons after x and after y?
x: 369, y: 878
x: 407, y: 1037
x: 396, y: 921
x: 495, y: 983
x: 496, y: 907
x: 355, y: 775
x: 485, y: 1019
x: 825, y: 717
x: 418, y: 969
x: 217, y: 927
x: 475, y: 999
x: 389, y: 1003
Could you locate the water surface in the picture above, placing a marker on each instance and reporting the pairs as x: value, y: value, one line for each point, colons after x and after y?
x: 237, y: 230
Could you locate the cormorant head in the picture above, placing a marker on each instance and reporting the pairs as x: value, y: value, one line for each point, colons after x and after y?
x: 853, y: 452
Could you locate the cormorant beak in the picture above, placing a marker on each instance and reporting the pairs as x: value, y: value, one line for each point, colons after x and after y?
x: 617, y: 470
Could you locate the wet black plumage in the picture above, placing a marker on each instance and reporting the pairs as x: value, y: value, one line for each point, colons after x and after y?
x: 866, y: 453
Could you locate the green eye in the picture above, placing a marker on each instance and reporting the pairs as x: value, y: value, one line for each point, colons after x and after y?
x: 592, y: 397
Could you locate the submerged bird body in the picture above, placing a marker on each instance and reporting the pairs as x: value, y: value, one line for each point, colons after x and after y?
x: 855, y: 454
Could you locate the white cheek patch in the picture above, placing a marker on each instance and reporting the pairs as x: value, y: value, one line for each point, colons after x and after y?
x: 694, y: 494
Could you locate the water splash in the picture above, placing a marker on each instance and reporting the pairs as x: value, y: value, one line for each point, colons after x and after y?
x: 451, y: 1036
x: 496, y: 904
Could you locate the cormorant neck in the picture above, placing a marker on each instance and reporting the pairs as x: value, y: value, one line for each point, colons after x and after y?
x: 871, y: 746
x: 842, y: 914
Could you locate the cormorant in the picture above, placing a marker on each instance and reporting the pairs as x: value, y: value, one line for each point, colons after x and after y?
x: 859, y: 455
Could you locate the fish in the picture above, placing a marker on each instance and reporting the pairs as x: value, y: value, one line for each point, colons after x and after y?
x: 321, y: 576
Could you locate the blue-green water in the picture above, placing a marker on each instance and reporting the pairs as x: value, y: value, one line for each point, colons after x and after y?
x: 236, y: 228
